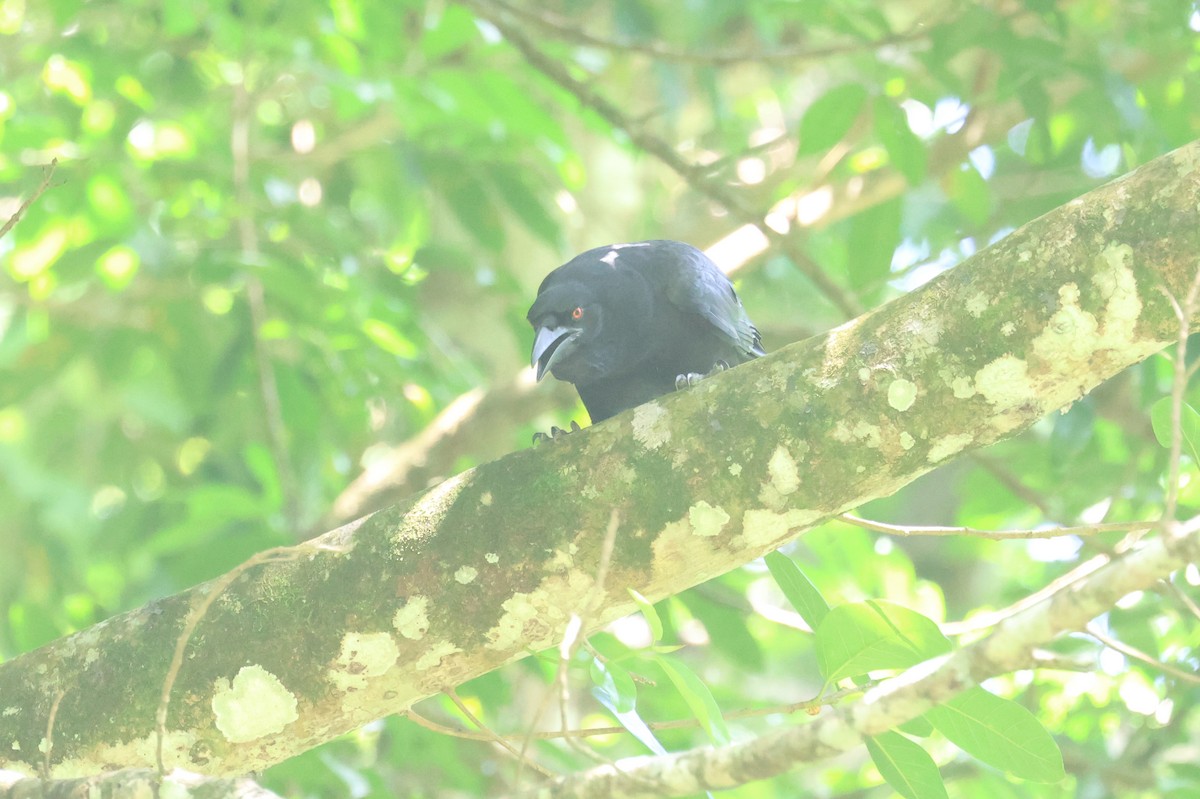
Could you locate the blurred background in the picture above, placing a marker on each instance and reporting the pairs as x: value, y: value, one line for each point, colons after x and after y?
x: 278, y: 278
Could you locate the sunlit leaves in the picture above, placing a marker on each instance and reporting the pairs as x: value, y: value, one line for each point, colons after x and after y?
x: 1001, y: 733
x: 905, y: 149
x: 649, y: 614
x: 829, y: 118
x: 34, y: 258
x: 798, y: 589
x: 118, y: 266
x: 388, y: 338
x: 860, y: 637
x: 970, y: 194
x: 906, y: 766
x: 697, y: 696
x: 69, y: 77
x: 135, y: 413
x: 1161, y: 414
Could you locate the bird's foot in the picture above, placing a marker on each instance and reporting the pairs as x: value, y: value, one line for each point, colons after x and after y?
x: 555, y: 433
x: 692, y: 378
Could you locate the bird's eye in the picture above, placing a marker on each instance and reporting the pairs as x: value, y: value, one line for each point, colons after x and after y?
x: 577, y: 314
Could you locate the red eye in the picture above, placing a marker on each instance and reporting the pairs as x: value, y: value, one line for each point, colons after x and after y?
x: 577, y: 314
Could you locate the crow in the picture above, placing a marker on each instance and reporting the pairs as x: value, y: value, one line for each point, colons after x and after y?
x: 629, y: 322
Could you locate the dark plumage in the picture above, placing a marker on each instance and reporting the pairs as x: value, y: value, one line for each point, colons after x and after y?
x: 623, y: 322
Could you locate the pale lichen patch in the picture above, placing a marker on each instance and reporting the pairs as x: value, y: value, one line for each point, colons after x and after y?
x: 676, y: 546
x: 650, y: 428
x: 902, y: 394
x: 534, y: 618
x: 491, y: 557
x: 178, y: 746
x: 1005, y: 382
x: 562, y: 560
x: 1008, y: 328
x: 945, y: 446
x: 412, y: 620
x: 363, y: 655
x: 906, y: 440
x: 707, y: 520
x: 962, y: 386
x: 862, y: 431
x: 735, y: 469
x: 465, y: 574
x: 1074, y: 337
x: 1071, y: 333
x: 976, y: 304
x: 868, y: 433
x: 256, y: 704
x: 923, y: 337
x: 434, y: 656
x: 763, y: 527
x: 785, y: 476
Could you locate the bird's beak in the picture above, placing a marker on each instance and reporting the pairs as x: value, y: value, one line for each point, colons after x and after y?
x: 548, y: 345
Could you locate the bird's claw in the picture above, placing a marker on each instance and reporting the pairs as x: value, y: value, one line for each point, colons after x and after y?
x: 692, y: 378
x: 555, y: 433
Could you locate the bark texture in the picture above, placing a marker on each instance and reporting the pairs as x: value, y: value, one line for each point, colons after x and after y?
x: 489, y: 565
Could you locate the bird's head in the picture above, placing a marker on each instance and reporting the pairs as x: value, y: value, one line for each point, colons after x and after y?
x: 566, y: 320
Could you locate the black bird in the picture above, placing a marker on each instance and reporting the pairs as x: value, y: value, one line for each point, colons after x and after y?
x: 629, y: 322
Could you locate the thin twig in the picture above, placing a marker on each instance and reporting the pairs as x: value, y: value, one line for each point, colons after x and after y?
x: 1013, y: 483
x: 789, y: 243
x: 905, y: 530
x: 58, y: 696
x: 197, y: 612
x: 654, y: 49
x: 491, y: 736
x: 1137, y: 654
x: 1184, y: 314
x: 1061, y: 583
x: 1184, y: 599
x: 268, y: 389
x: 573, y: 636
x: 47, y: 173
x: 808, y: 706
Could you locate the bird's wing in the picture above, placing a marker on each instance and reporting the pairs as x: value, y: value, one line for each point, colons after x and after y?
x: 696, y: 284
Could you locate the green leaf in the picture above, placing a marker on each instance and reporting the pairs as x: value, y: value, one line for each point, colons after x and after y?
x: 699, y: 699
x: 389, y: 339
x: 527, y: 206
x: 970, y: 193
x: 649, y: 613
x: 614, y: 680
x: 829, y: 118
x: 469, y: 200
x: 1189, y: 426
x: 864, y: 636
x: 919, y: 727
x: 798, y: 589
x: 905, y: 149
x: 999, y: 732
x: 906, y: 766
x: 875, y: 233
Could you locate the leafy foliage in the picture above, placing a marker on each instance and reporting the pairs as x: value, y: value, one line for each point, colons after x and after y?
x: 279, y: 238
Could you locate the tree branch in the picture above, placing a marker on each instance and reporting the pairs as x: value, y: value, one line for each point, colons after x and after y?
x: 47, y: 174
x: 479, y: 570
x: 894, y: 701
x: 695, y: 176
x: 581, y: 35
